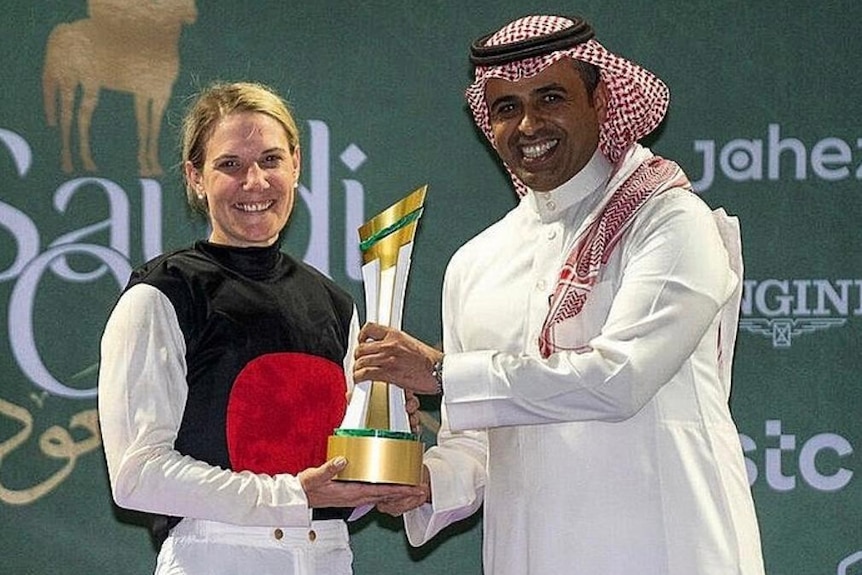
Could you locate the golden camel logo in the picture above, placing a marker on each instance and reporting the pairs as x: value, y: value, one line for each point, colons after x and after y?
x: 124, y: 46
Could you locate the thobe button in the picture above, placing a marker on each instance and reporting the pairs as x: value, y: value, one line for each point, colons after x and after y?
x: 278, y: 534
x: 551, y: 206
x: 541, y: 285
x: 312, y: 535
x: 552, y: 234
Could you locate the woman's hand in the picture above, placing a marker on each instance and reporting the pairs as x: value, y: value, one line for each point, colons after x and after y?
x: 323, y: 491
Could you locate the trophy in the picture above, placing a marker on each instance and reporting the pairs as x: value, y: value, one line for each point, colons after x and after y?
x: 375, y: 435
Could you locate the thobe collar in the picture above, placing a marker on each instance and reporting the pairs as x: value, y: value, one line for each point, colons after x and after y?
x: 550, y: 206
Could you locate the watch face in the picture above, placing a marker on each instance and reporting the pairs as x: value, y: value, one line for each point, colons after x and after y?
x: 437, y: 372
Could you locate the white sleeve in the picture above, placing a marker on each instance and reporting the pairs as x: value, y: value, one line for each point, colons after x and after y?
x: 142, y: 396
x: 456, y: 464
x: 674, y: 280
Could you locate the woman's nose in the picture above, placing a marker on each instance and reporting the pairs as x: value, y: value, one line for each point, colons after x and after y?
x: 256, y: 177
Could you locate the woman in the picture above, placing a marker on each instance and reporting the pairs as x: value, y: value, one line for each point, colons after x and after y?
x: 222, y: 371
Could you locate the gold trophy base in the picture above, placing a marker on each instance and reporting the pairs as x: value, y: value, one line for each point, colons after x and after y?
x: 378, y: 459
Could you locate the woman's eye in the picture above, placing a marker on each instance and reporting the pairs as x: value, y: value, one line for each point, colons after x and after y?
x: 227, y: 164
x: 271, y: 161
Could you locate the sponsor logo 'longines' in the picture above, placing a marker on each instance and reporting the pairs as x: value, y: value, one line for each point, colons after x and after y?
x: 782, y: 310
x: 777, y: 158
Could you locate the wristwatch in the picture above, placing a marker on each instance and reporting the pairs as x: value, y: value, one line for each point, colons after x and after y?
x: 437, y: 372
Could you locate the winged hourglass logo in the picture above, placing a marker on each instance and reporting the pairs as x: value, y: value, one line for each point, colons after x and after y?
x: 783, y: 330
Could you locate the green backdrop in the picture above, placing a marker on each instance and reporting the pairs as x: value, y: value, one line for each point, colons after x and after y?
x: 764, y: 117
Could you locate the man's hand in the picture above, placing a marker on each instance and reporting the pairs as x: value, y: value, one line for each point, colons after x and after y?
x: 322, y: 491
x: 411, y: 405
x: 387, y: 354
x: 400, y: 505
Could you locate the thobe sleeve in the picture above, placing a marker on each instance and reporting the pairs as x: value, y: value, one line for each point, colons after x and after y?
x: 456, y: 464
x: 142, y: 396
x: 674, y: 279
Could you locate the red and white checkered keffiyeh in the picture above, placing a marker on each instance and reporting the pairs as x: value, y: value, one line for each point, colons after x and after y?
x: 637, y: 102
x: 637, y: 99
x: 595, y: 245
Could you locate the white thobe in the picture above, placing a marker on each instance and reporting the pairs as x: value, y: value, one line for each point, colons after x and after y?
x: 619, y: 458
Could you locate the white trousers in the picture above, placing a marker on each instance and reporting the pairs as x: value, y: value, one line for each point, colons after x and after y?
x: 198, y: 547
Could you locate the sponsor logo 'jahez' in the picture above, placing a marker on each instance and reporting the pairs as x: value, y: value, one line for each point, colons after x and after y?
x: 777, y: 158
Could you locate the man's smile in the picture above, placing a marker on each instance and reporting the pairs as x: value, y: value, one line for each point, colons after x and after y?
x: 534, y: 152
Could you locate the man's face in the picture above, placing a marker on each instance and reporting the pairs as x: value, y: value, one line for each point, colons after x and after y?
x: 545, y: 128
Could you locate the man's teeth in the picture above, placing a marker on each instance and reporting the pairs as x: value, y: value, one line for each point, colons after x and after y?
x: 255, y: 207
x: 534, y: 151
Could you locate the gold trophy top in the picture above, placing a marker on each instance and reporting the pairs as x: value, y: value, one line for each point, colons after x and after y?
x: 382, y: 236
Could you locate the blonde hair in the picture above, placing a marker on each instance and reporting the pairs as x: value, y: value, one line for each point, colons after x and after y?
x: 220, y: 100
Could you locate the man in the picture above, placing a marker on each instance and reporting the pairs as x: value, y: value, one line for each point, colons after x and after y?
x: 588, y: 335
